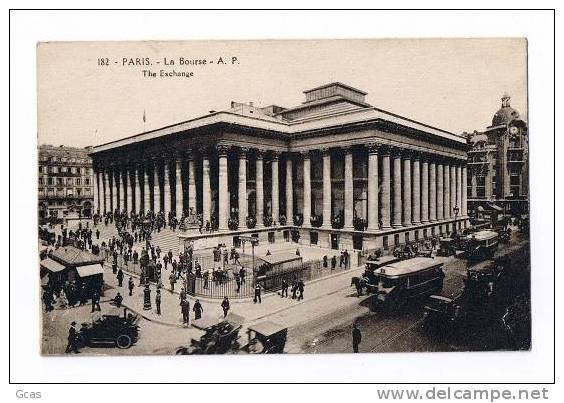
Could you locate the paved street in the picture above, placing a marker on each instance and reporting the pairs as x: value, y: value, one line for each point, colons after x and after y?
x: 321, y: 323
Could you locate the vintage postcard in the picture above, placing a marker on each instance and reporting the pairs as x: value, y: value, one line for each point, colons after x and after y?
x: 283, y: 196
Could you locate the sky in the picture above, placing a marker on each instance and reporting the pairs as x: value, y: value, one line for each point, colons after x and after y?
x: 452, y: 84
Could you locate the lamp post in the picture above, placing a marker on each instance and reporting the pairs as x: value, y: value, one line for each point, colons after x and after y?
x: 456, y: 209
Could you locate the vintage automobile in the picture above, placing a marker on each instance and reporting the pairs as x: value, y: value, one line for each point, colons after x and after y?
x: 481, y: 245
x: 266, y: 338
x: 480, y: 286
x: 218, y: 338
x: 368, y: 279
x: 111, y: 328
x: 446, y: 247
x: 399, y: 282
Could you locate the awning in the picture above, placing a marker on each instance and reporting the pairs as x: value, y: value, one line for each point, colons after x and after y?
x: 51, y: 265
x: 90, y: 270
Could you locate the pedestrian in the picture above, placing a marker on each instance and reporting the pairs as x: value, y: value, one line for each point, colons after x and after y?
x: 185, y: 309
x: 96, y: 301
x: 356, y: 338
x: 119, y: 277
x: 198, y: 309
x: 342, y: 260
x: 325, y: 261
x: 172, y: 279
x: 284, y: 289
x: 301, y: 286
x: 294, y: 287
x: 71, y: 339
x: 182, y: 295
x: 333, y: 262
x: 131, y: 286
x: 97, y: 233
x: 48, y: 300
x: 158, y: 301
x: 225, y: 306
x: 118, y: 299
x: 257, y: 294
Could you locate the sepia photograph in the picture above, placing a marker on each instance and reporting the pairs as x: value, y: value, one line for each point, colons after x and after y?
x: 283, y: 196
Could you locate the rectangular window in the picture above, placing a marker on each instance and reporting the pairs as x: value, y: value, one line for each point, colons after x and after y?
x: 385, y: 242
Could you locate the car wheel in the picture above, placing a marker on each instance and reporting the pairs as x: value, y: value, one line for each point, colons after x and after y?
x: 123, y: 341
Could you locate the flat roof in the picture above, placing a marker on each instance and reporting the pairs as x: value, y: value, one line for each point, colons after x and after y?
x: 360, y: 115
x: 405, y: 267
x: 51, y: 265
x: 267, y: 327
x: 90, y: 270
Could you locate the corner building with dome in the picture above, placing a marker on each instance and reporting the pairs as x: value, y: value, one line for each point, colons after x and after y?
x: 498, y: 164
x: 333, y: 172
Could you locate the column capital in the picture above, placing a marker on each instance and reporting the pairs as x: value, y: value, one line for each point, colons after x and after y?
x: 346, y: 149
x: 222, y: 149
x: 396, y: 152
x: 325, y: 150
x: 259, y: 154
x: 305, y: 154
x: 416, y: 155
x: 407, y: 153
x: 274, y: 155
x: 242, y: 152
x: 374, y: 148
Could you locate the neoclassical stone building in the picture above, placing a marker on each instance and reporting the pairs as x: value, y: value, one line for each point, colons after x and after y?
x: 333, y: 171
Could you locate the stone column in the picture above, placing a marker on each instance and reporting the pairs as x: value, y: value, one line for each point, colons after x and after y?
x: 424, y: 190
x: 385, y: 212
x: 157, y: 187
x: 137, y: 189
x: 416, y: 190
x: 397, y: 190
x: 114, y: 191
x: 192, y: 197
x: 96, y: 188
x: 440, y: 192
x: 464, y: 206
x: 289, y: 192
x: 373, y: 187
x: 223, y: 189
x: 349, y: 189
x: 459, y: 187
x: 206, y: 189
x: 453, y: 190
x: 242, y: 192
x: 275, y: 191
x: 432, y: 192
x: 107, y: 204
x: 179, y: 188
x: 446, y: 195
x: 121, y: 189
x: 307, y: 188
x: 406, y: 194
x: 326, y: 188
x: 259, y: 164
x: 146, y: 189
x: 166, y: 187
x: 129, y: 189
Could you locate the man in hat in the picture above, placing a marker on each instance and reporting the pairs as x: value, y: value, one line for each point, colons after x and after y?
x: 96, y: 301
x: 119, y: 277
x: 131, y: 286
x: 71, y: 339
x: 225, y: 306
x: 257, y: 294
x: 356, y: 337
x: 118, y: 299
x: 185, y: 309
x: 158, y: 301
x: 198, y: 309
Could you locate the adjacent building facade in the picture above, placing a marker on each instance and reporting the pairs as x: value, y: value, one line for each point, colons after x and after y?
x: 498, y: 164
x: 334, y: 172
x: 65, y: 182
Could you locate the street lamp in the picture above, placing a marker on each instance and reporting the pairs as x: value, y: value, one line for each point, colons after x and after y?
x: 456, y: 210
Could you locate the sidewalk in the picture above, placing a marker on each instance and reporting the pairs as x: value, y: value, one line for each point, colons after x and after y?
x: 271, y: 304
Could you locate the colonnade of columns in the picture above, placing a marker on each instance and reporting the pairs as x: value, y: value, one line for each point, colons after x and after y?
x: 404, y: 187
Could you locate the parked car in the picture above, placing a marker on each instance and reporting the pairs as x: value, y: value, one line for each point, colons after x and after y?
x: 111, y: 328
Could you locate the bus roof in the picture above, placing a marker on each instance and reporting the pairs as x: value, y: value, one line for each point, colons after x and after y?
x: 483, y: 235
x: 409, y: 266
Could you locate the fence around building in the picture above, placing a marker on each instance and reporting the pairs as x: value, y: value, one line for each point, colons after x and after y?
x: 226, y: 282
